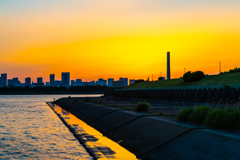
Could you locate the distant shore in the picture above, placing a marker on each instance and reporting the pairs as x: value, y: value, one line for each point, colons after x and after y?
x: 49, y: 93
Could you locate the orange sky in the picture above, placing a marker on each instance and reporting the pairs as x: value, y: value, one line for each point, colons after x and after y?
x: 108, y: 39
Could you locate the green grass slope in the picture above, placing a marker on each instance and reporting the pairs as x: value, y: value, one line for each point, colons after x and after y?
x: 221, y: 79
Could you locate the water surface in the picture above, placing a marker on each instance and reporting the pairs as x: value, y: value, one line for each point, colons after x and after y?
x: 29, y: 129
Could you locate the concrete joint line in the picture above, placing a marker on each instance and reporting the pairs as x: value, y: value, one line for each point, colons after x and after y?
x: 138, y: 156
x: 90, y: 111
x: 85, y: 105
x: 124, y: 124
x: 102, y: 117
x: 73, y: 106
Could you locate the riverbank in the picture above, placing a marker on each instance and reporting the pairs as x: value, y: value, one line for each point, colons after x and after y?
x: 211, y: 81
x: 152, y: 137
x: 48, y: 93
x: 96, y: 144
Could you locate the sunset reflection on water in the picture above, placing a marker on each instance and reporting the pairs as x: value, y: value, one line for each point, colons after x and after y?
x: 29, y: 129
x: 109, y: 148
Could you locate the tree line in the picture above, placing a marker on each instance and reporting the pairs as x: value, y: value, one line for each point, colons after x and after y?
x: 52, y: 89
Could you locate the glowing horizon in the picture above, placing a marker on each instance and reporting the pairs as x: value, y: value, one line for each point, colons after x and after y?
x: 108, y: 39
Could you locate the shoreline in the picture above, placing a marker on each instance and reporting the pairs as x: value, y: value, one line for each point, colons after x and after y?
x: 57, y: 93
x: 155, y: 137
x: 96, y: 144
x: 72, y: 131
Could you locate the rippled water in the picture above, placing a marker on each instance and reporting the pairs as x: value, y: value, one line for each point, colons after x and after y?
x: 29, y: 129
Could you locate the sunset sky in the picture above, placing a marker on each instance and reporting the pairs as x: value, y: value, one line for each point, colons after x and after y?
x: 94, y: 39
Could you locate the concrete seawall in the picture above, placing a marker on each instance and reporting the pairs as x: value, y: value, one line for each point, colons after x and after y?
x: 155, y: 137
x: 229, y: 96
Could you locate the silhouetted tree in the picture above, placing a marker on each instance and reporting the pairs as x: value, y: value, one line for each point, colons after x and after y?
x: 193, y: 76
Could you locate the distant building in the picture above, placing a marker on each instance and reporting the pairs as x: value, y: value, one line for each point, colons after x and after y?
x: 10, y: 82
x: 52, y: 79
x: 15, y: 81
x: 125, y: 81
x: 72, y: 82
x: 110, y: 82
x: 131, y: 81
x: 121, y: 79
x: 58, y: 83
x: 35, y: 84
x: 118, y: 84
x: 66, y: 78
x: 3, y: 79
x: 47, y: 83
x: 28, y: 81
x: 101, y: 82
x: 39, y: 80
x: 92, y: 83
x: 22, y: 85
x: 78, y: 82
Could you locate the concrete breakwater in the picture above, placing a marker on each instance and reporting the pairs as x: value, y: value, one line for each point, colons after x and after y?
x: 97, y: 145
x: 213, y: 96
x: 154, y: 137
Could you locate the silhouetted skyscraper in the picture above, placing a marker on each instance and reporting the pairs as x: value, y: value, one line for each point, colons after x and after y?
x: 15, y: 81
x: 110, y: 82
x: 39, y: 80
x: 28, y: 81
x: 125, y: 81
x: 168, y: 65
x: 4, y: 79
x: 66, y: 78
x: 52, y: 79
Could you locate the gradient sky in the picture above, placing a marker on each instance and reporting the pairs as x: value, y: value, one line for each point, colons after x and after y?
x: 94, y: 39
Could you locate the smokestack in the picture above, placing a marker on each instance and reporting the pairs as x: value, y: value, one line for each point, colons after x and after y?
x: 168, y: 65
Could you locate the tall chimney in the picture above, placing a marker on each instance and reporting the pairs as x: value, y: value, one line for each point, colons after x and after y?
x: 168, y: 65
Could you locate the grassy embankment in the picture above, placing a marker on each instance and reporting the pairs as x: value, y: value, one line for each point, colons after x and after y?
x: 221, y: 79
x: 225, y: 118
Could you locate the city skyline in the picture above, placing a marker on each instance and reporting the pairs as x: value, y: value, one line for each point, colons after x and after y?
x: 66, y: 80
x: 32, y: 80
x: 104, y: 38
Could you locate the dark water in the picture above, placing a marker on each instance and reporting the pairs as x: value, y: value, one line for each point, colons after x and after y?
x: 29, y: 129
